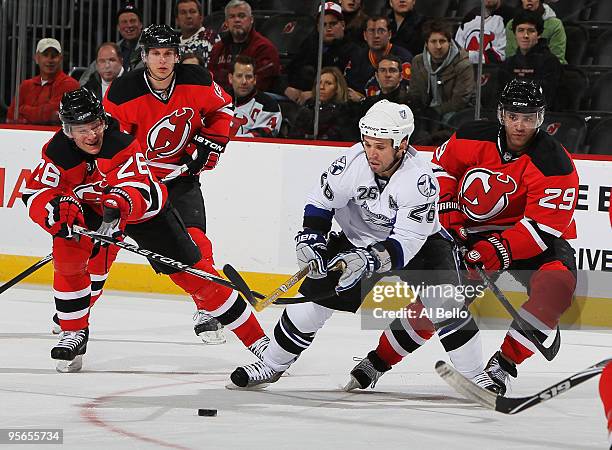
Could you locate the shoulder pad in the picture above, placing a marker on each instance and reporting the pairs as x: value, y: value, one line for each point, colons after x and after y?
x: 114, y: 142
x: 268, y: 103
x: 192, y: 74
x: 549, y: 156
x: 478, y: 130
x: 128, y: 87
x: 63, y: 152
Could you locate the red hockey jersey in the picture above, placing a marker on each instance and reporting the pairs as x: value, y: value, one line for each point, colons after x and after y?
x: 164, y: 126
x: 530, y: 197
x: 66, y: 170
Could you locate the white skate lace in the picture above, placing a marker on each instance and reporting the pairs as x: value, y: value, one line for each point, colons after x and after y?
x: 71, y: 339
x: 259, y: 346
x: 498, y: 374
x: 201, y: 317
x: 484, y: 380
x: 365, y: 365
x: 259, y: 371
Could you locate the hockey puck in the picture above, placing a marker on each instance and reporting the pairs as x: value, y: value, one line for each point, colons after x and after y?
x: 207, y: 412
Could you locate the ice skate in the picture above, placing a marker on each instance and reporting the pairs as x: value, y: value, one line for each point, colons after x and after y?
x: 70, y: 349
x: 367, y: 372
x: 500, y: 370
x: 486, y: 382
x: 259, y: 347
x: 208, y: 328
x: 55, y: 328
x: 256, y: 375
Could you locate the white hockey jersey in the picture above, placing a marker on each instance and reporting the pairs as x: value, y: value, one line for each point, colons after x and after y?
x: 399, y: 212
x: 468, y: 37
x: 256, y: 116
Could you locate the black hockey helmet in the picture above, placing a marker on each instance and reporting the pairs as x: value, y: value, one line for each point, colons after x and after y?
x: 522, y: 96
x: 159, y: 36
x: 79, y: 107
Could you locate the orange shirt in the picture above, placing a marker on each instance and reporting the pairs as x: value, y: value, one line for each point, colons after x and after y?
x: 38, y: 103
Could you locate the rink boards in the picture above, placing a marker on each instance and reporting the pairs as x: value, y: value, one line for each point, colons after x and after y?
x: 254, y: 203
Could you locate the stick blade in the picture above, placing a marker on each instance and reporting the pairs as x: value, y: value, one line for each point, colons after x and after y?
x: 465, y: 387
x: 237, y: 280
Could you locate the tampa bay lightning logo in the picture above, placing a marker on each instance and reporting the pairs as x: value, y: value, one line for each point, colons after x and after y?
x: 338, y: 166
x: 403, y: 114
x: 426, y: 186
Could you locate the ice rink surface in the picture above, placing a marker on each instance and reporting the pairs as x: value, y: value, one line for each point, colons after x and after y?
x: 146, y: 374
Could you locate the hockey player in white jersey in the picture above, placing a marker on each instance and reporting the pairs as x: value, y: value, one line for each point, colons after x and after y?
x: 383, y: 195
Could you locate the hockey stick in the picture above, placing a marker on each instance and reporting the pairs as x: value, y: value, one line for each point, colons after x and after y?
x: 33, y: 268
x: 548, y: 352
x: 513, y: 405
x: 259, y: 305
x: 167, y: 261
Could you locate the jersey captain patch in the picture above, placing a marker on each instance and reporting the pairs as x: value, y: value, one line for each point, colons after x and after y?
x: 169, y: 134
x: 484, y: 193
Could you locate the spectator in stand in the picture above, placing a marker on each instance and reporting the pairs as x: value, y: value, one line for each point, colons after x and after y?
x: 242, y: 39
x: 195, y: 38
x: 362, y: 65
x: 534, y: 59
x: 406, y: 25
x: 334, y: 113
x: 129, y: 24
x: 498, y: 8
x: 442, y: 80
x: 193, y: 58
x: 39, y: 97
x: 390, y: 80
x: 468, y: 37
x: 337, y: 50
x: 554, y: 32
x: 354, y: 19
x: 256, y: 114
x: 109, y: 66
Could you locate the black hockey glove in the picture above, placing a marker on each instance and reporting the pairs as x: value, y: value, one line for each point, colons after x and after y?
x: 116, y: 208
x: 207, y: 153
x: 310, y: 245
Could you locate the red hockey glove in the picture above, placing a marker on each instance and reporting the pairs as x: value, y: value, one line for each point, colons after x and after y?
x: 207, y: 153
x: 67, y: 212
x: 116, y: 208
x: 492, y: 254
x: 451, y: 217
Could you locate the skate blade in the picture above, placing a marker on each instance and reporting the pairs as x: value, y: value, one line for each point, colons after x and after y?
x: 213, y: 337
x: 352, y: 385
x: 70, y: 366
x: 232, y: 387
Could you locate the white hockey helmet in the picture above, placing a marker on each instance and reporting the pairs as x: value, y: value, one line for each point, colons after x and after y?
x: 388, y: 120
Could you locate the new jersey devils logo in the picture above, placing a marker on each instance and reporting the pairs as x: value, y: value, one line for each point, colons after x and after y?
x: 169, y: 134
x: 484, y: 194
x: 552, y: 128
x: 237, y: 122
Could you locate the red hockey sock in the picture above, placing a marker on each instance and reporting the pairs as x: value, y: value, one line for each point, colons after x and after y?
x: 99, y: 265
x: 605, y: 391
x: 71, y: 283
x: 405, y: 336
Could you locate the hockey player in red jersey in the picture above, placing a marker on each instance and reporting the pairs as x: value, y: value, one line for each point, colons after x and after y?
x: 91, y: 174
x: 605, y: 391
x: 507, y: 192
x: 179, y: 115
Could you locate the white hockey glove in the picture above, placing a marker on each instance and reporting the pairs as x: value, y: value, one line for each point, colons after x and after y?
x: 356, y: 264
x: 310, y: 245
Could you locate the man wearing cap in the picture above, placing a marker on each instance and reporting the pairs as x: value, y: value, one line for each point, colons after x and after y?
x: 39, y: 97
x: 242, y: 39
x: 337, y: 51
